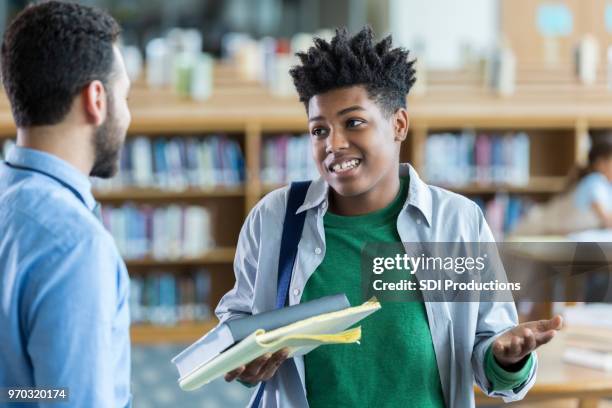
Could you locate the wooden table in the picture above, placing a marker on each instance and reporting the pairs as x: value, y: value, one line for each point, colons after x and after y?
x: 558, y: 380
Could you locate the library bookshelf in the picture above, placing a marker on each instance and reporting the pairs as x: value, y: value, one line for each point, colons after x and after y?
x: 556, y: 118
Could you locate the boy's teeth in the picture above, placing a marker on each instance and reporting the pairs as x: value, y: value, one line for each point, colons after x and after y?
x: 349, y: 164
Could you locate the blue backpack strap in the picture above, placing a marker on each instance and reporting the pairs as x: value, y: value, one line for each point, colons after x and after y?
x: 292, y: 232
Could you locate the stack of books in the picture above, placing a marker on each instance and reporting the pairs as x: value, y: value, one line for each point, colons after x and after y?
x: 300, y: 328
x: 466, y: 158
x: 160, y: 233
x: 589, y: 336
x: 166, y: 298
x: 287, y: 158
x: 177, y: 164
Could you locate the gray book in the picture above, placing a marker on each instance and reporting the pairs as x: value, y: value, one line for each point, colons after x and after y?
x: 231, y: 332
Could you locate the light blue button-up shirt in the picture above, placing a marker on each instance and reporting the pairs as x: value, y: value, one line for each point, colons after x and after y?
x: 64, y: 318
x: 461, y: 331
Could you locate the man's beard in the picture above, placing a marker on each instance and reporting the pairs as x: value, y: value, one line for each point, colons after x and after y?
x: 107, y: 146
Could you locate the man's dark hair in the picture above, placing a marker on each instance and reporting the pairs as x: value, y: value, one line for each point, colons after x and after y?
x: 50, y: 52
x: 385, y: 72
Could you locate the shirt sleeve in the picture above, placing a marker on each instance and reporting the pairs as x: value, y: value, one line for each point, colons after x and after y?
x: 494, y: 318
x: 70, y: 322
x: 503, y: 380
x: 592, y: 189
x: 238, y: 301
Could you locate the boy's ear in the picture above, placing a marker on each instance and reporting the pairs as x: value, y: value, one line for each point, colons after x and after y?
x: 400, y: 122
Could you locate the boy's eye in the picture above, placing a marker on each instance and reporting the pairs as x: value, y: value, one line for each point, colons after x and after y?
x: 351, y: 123
x: 319, y: 132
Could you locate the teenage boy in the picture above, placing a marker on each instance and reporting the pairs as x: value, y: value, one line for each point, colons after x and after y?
x: 64, y: 320
x: 411, y: 354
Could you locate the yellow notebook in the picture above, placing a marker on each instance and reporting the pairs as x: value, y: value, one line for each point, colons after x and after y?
x: 300, y: 337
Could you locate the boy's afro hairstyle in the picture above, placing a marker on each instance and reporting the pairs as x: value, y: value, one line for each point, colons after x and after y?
x: 385, y: 72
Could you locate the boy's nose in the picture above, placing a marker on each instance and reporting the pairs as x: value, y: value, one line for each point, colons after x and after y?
x: 336, y: 141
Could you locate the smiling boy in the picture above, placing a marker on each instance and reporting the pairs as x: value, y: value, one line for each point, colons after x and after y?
x: 423, y: 354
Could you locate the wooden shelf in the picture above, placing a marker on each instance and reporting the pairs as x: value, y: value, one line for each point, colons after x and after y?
x: 134, y: 193
x: 537, y: 185
x: 147, y: 334
x: 449, y: 102
x: 221, y: 255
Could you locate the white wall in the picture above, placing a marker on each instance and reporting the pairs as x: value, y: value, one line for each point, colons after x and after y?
x: 444, y: 26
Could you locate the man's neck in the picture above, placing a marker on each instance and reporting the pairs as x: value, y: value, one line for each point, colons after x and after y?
x: 70, y: 145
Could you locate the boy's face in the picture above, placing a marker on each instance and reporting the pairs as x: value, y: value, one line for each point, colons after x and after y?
x: 355, y: 146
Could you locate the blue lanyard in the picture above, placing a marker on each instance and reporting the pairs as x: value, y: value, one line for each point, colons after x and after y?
x: 292, y: 232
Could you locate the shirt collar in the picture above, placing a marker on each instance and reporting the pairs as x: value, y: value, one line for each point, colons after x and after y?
x: 419, y: 195
x: 54, y: 167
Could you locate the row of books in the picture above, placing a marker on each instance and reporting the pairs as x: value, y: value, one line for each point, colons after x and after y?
x: 459, y: 159
x: 287, y: 158
x: 503, y: 212
x: 164, y: 298
x: 268, y: 59
x: 161, y: 233
x: 177, y: 163
x: 175, y: 59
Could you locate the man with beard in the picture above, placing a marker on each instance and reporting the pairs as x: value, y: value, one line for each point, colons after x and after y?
x: 64, y: 319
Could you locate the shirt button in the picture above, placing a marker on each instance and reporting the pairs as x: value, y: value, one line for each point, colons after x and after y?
x: 318, y: 251
x: 418, y: 220
x: 296, y: 292
x: 324, y: 205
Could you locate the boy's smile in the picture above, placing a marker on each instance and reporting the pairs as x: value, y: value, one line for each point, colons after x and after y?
x: 356, y: 147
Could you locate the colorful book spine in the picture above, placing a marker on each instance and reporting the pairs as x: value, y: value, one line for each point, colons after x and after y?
x: 177, y: 164
x: 166, y: 298
x: 161, y: 233
x: 287, y: 158
x: 503, y: 212
x: 456, y: 160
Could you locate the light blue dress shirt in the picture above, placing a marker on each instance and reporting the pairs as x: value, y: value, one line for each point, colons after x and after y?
x: 461, y: 331
x: 594, y: 188
x: 64, y: 317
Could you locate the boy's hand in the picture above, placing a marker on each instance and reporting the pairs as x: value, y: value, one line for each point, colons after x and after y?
x: 514, y: 345
x: 260, y: 369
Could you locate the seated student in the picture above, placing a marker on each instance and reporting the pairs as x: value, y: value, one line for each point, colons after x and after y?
x: 587, y: 205
x: 412, y: 354
x: 594, y: 189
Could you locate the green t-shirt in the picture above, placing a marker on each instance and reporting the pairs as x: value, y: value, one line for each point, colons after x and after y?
x: 395, y: 364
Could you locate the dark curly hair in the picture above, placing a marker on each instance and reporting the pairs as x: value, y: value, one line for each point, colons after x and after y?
x: 50, y: 51
x: 385, y: 72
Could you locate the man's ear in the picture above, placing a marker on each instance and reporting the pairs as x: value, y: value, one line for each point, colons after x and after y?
x: 94, y: 102
x: 400, y: 123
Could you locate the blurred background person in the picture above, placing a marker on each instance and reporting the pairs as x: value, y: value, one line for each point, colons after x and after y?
x: 587, y: 205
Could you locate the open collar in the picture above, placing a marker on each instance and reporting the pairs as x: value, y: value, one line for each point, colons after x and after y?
x: 55, y: 168
x: 419, y: 194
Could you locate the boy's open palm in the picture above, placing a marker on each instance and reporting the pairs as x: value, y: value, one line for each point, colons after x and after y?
x: 515, y: 344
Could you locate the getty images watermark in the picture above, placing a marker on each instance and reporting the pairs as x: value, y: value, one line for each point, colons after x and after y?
x: 476, y: 271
